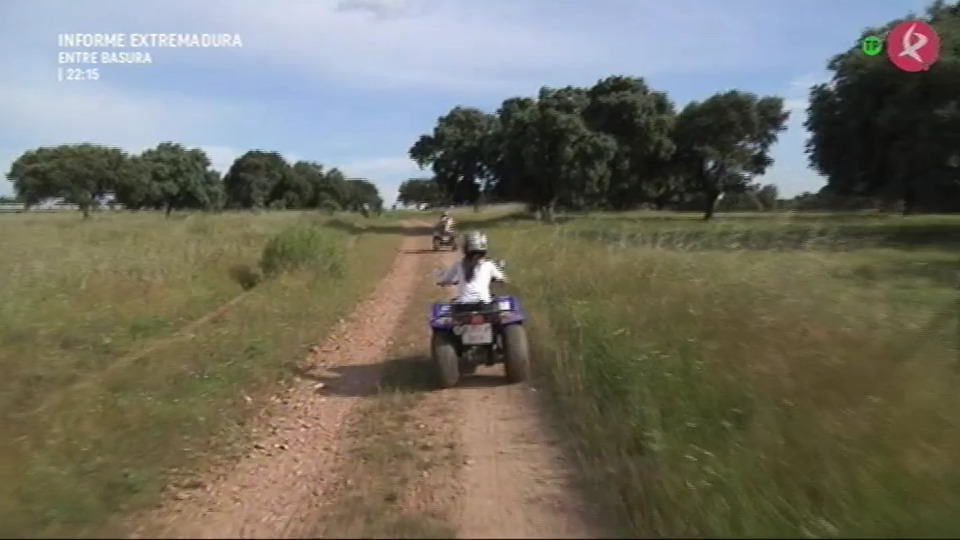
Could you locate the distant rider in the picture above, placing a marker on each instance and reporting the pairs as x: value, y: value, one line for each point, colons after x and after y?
x: 445, y: 226
x: 474, y: 273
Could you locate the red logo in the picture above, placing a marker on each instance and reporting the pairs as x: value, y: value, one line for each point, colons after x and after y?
x: 913, y: 46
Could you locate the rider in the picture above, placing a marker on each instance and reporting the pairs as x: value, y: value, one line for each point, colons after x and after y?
x: 445, y: 226
x: 474, y: 273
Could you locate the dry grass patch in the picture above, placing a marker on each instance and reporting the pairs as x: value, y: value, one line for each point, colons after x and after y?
x: 115, y: 381
x: 749, y: 378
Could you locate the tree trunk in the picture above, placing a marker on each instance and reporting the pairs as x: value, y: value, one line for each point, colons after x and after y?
x: 168, y: 210
x: 86, y: 211
x: 711, y: 205
x: 477, y: 201
x: 660, y: 201
x: 548, y: 212
x: 909, y: 200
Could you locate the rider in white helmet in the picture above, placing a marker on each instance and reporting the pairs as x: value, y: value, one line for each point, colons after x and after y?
x: 445, y: 226
x: 474, y: 273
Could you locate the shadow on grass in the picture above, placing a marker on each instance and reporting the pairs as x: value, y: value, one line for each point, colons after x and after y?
x: 375, y: 228
x: 838, y: 237
x: 245, y: 275
x: 691, y: 216
x: 372, y: 227
x: 941, y: 273
x: 421, y: 251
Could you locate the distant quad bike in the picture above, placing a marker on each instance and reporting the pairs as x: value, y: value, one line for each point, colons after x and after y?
x: 468, y: 335
x: 444, y: 239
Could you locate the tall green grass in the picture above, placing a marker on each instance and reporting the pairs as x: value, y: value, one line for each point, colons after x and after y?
x: 303, y: 245
x: 724, y: 380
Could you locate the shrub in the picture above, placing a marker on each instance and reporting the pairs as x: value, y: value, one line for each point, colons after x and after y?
x: 303, y: 246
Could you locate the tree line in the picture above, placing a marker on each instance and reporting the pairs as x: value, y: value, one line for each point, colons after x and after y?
x: 755, y: 197
x: 616, y: 145
x: 172, y: 177
x: 881, y: 137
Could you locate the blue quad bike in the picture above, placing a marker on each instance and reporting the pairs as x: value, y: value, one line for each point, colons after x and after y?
x: 442, y: 239
x: 468, y: 335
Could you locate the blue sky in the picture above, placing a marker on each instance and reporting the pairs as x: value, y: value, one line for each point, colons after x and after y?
x: 353, y: 83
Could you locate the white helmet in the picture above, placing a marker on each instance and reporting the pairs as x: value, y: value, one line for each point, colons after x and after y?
x: 475, y: 242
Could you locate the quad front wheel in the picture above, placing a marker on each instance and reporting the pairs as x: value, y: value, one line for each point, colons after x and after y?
x: 445, y: 357
x: 516, y: 353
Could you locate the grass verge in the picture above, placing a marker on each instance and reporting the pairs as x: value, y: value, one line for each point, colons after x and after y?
x: 398, y: 446
x: 723, y: 386
x: 93, y: 428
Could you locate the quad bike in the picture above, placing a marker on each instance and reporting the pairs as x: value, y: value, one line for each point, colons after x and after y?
x: 444, y: 239
x: 468, y: 335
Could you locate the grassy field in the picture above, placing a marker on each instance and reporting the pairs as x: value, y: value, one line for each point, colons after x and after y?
x: 132, y: 345
x: 756, y: 375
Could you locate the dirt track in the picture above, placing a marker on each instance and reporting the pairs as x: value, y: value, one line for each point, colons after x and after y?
x: 515, y: 483
x: 512, y: 483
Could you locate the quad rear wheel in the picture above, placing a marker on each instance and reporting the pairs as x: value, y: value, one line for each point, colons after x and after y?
x: 516, y: 353
x: 444, y: 351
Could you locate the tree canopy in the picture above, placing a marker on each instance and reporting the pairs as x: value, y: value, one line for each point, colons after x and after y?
x: 881, y: 137
x: 420, y: 191
x: 171, y: 177
x: 879, y: 132
x: 618, y: 144
x: 81, y: 174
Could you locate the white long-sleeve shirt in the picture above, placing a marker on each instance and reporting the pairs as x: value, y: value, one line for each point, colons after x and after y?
x: 477, y: 289
x: 445, y: 226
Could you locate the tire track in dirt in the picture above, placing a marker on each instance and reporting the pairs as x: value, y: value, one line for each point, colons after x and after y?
x: 514, y: 481
x: 273, y: 491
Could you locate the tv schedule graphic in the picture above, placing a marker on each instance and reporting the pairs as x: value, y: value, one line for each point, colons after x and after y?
x: 86, y: 57
x: 911, y: 46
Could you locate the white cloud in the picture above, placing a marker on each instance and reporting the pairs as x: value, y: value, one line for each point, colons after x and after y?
x: 222, y: 157
x: 802, y: 84
x: 379, y: 8
x: 790, y: 171
x: 795, y: 105
x: 96, y: 112
x: 378, y: 167
x: 397, y: 169
x: 798, y: 94
x: 99, y: 113
x: 496, y: 45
